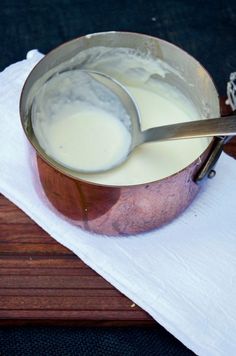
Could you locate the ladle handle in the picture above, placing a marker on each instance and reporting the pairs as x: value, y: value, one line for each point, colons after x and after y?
x: 202, y: 128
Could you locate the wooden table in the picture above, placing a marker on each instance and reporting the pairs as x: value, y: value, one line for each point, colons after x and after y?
x: 42, y: 282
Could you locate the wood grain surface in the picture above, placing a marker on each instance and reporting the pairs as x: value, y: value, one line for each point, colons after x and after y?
x: 42, y: 282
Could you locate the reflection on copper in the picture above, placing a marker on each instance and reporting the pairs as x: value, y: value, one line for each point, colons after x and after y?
x: 120, y: 210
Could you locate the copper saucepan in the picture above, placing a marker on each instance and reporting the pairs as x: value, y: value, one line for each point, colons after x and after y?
x: 121, y: 210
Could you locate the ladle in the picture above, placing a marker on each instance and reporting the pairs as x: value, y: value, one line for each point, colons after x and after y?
x: 185, y: 130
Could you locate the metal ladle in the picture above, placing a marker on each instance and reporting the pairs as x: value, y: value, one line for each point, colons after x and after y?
x: 201, y: 128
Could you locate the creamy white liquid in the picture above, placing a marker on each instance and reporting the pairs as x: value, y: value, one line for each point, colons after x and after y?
x: 80, y: 123
x: 89, y: 140
x: 57, y: 128
x: 157, y: 160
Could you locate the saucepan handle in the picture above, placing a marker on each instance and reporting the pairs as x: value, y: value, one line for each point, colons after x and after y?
x: 207, y: 170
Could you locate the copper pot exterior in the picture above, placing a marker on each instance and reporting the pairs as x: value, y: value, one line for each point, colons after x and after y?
x: 122, y: 210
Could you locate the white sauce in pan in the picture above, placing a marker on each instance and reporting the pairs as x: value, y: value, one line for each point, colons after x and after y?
x: 70, y: 133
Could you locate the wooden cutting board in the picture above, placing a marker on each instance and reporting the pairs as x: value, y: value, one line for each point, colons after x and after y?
x: 42, y: 282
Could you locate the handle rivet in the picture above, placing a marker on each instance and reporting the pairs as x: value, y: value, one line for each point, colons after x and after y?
x: 211, y: 174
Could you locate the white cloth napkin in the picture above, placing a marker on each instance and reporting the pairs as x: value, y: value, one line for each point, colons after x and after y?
x: 183, y: 274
